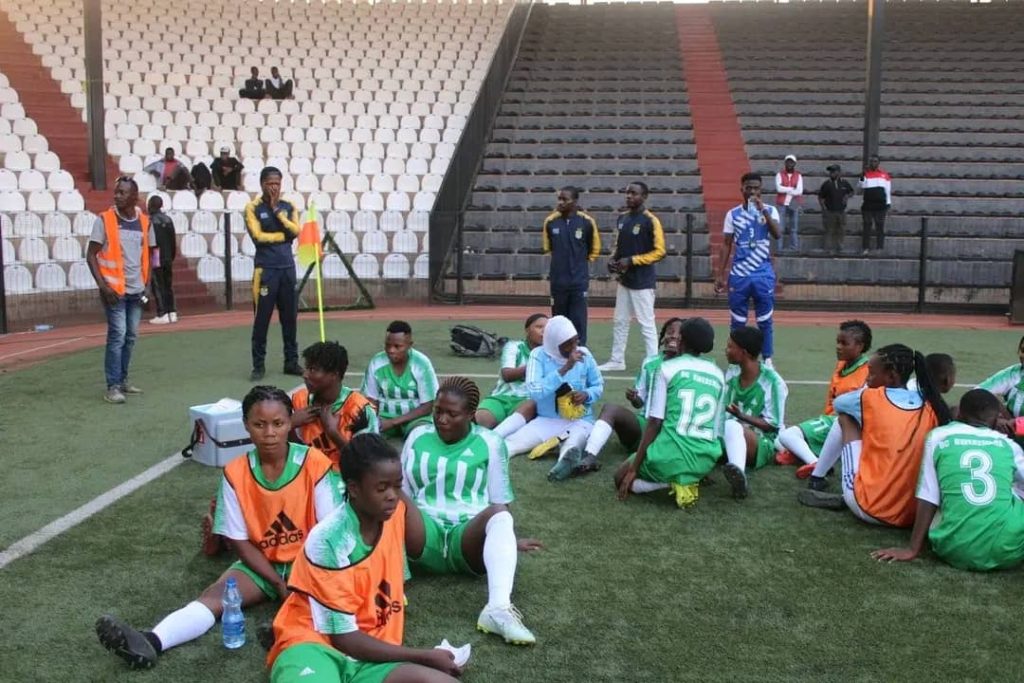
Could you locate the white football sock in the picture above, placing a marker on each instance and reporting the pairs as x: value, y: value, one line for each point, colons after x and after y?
x: 510, y: 424
x: 599, y: 435
x: 644, y: 486
x: 500, y: 557
x: 851, y: 463
x: 792, y: 439
x: 735, y: 444
x: 188, y: 623
x: 830, y: 452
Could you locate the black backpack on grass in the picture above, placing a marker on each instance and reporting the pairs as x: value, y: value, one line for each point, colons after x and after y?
x: 472, y: 342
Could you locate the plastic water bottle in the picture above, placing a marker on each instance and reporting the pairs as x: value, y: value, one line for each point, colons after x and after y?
x: 232, y: 621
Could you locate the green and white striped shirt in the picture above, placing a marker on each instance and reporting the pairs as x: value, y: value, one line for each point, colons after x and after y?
x: 513, y: 355
x: 765, y: 398
x: 1008, y: 385
x: 645, y: 378
x: 398, y: 395
x: 453, y: 483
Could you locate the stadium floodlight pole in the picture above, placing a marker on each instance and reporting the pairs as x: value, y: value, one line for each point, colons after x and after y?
x: 94, y: 92
x: 873, y: 78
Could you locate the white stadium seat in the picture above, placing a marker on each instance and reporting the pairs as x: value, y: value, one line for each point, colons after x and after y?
x: 396, y: 267
x: 33, y: 250
x: 50, y: 277
x: 79, y: 276
x: 193, y: 245
x: 210, y: 269
x: 17, y: 279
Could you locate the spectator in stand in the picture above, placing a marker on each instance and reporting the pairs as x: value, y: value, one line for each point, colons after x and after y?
x: 201, y: 179
x: 170, y: 173
x: 571, y: 237
x: 163, y: 262
x: 227, y: 171
x: 876, y: 186
x: 253, y: 89
x: 789, y: 188
x: 832, y: 198
x: 277, y: 87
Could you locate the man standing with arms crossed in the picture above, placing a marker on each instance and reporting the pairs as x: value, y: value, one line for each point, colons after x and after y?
x: 789, y: 188
x: 118, y: 256
x: 571, y: 238
x: 750, y: 228
x: 273, y: 224
x: 639, y: 244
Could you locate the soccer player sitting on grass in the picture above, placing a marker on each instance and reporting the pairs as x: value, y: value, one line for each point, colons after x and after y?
x: 269, y: 501
x: 345, y: 617
x: 804, y: 441
x: 969, y: 474
x: 456, y: 473
x: 400, y: 382
x: 628, y: 424
x: 1008, y: 384
x: 687, y: 399
x: 943, y: 371
x: 563, y: 380
x: 327, y: 413
x: 880, y: 435
x: 755, y: 399
x: 510, y: 393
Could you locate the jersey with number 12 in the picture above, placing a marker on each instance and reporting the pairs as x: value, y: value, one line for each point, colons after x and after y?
x: 688, y: 393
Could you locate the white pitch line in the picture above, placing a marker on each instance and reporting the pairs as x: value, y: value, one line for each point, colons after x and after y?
x: 34, y: 349
x: 19, y: 549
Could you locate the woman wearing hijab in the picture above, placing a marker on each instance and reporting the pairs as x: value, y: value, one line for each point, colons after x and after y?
x: 563, y: 380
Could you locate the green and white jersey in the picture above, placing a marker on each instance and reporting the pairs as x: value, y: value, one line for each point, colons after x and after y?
x: 514, y: 354
x: 688, y: 396
x: 645, y: 378
x: 452, y: 483
x: 765, y: 398
x: 1008, y: 384
x: 969, y: 473
x: 398, y: 395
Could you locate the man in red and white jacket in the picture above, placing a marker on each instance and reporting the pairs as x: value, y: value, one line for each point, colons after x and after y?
x: 876, y: 186
x: 789, y: 188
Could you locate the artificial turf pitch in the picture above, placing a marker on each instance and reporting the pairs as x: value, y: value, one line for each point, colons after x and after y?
x: 762, y: 590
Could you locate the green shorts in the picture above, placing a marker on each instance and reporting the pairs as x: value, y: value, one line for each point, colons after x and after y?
x: 816, y: 431
x: 316, y: 663
x: 283, y: 569
x: 403, y: 431
x: 501, y: 406
x: 442, y: 551
x: 765, y: 451
x: 679, y: 467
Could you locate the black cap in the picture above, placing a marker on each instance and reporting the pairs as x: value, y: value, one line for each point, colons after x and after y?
x: 833, y: 167
x: 698, y: 335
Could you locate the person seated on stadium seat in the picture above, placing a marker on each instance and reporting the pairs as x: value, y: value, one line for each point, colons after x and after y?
x: 510, y: 392
x: 465, y: 526
x: 400, y: 383
x: 253, y: 89
x: 170, y: 173
x: 1008, y: 384
x: 201, y: 178
x: 327, y: 413
x: 345, y: 617
x: 563, y: 380
x: 970, y: 475
x: 627, y: 424
x: 879, y: 433
x: 269, y: 500
x: 278, y: 88
x: 803, y: 442
x: 755, y: 400
x: 687, y: 395
x: 226, y: 171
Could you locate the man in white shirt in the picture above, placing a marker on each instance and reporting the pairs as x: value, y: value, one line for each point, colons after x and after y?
x: 789, y: 189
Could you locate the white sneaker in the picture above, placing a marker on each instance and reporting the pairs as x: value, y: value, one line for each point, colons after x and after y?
x: 174, y: 316
x: 611, y: 366
x: 160, y: 319
x: 506, y: 622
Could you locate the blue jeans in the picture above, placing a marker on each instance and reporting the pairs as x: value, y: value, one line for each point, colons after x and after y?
x: 789, y: 224
x: 122, y: 331
x: 760, y: 288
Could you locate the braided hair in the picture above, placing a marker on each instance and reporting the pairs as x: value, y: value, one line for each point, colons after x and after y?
x: 261, y: 393
x: 904, y: 361
x: 464, y: 387
x: 362, y: 453
x: 860, y: 330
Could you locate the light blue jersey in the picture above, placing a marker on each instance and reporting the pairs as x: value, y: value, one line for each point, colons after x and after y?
x: 749, y: 230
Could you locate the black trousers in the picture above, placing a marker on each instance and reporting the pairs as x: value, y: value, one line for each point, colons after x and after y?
x: 274, y: 288
x: 162, y: 290
x: 572, y: 303
x: 282, y: 93
x: 877, y: 220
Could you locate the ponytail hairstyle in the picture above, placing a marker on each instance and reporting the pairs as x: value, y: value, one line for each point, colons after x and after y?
x: 362, y: 453
x: 261, y: 393
x: 464, y: 387
x: 904, y: 361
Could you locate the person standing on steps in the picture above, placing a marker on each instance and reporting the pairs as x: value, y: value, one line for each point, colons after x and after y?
x: 832, y: 198
x: 749, y: 228
x: 167, y: 249
x: 639, y: 244
x: 118, y: 256
x: 789, y: 188
x: 876, y: 186
x: 571, y: 237
x: 273, y: 224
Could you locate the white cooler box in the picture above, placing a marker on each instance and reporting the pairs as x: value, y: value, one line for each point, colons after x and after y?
x: 218, y: 433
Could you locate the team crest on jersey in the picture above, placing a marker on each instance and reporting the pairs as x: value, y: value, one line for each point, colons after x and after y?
x: 264, y: 291
x: 556, y: 231
x: 282, y: 532
x: 636, y: 229
x: 579, y: 233
x: 385, y: 605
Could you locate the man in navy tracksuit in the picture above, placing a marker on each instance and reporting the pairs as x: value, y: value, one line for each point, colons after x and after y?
x: 273, y: 224
x: 572, y: 239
